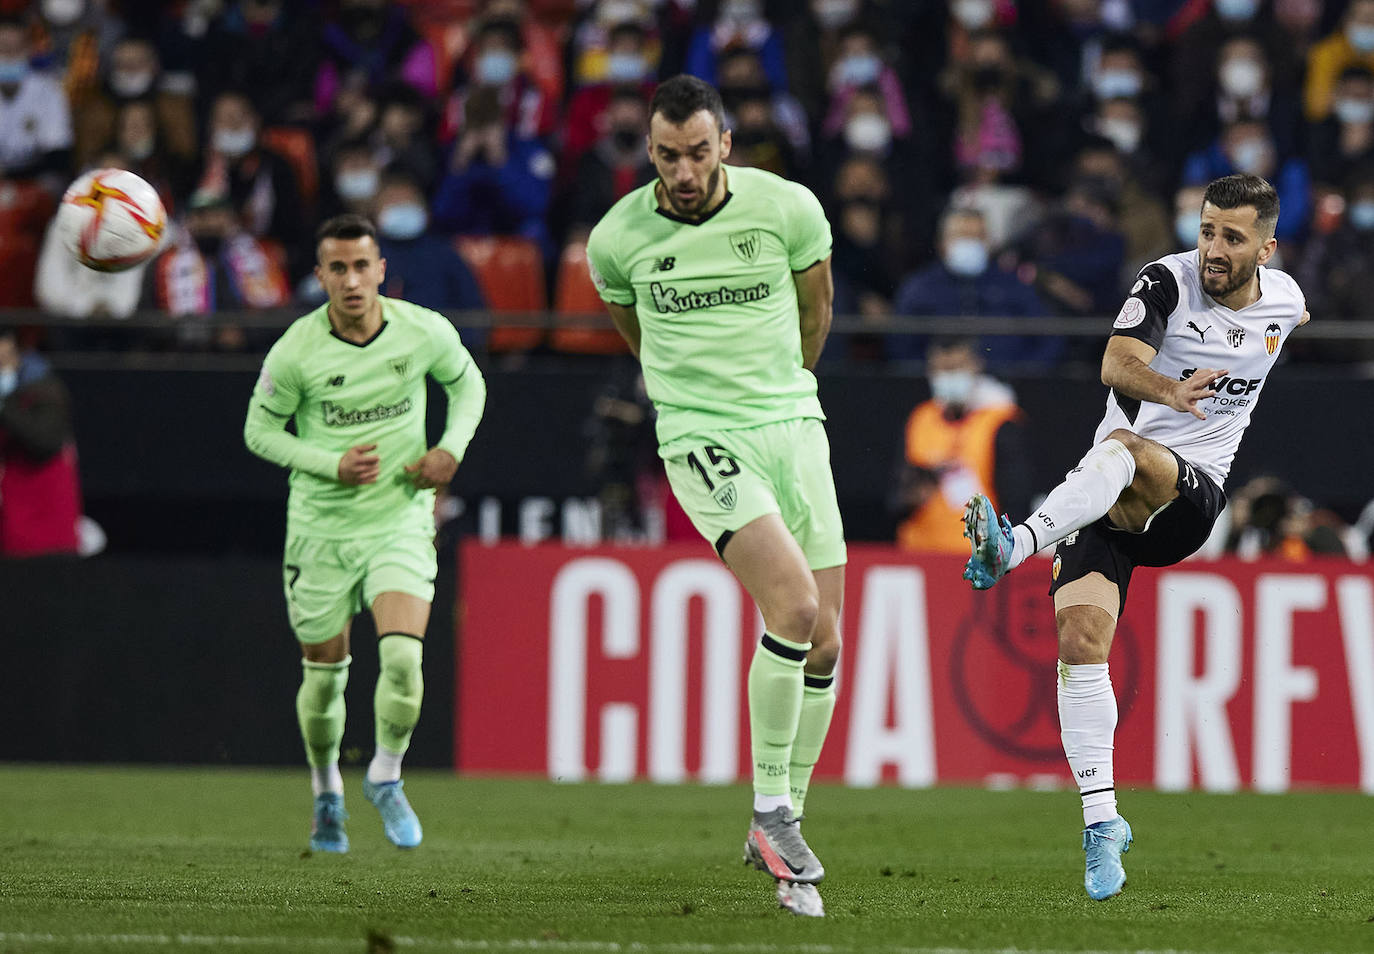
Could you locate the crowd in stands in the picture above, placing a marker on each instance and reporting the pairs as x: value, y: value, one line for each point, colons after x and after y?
x: 1015, y: 158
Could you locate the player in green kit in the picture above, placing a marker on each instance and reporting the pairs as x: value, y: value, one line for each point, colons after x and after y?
x: 359, y: 519
x: 719, y: 279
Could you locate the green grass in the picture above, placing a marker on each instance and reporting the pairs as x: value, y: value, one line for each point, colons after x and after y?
x: 95, y: 859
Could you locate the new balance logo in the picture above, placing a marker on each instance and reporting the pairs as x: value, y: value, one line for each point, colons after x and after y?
x: 1201, y: 332
x: 336, y: 381
x: 664, y: 264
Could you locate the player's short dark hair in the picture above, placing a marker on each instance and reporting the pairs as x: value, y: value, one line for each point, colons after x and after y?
x: 683, y: 96
x: 1242, y: 189
x: 350, y: 225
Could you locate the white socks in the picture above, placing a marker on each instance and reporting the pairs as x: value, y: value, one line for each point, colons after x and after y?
x: 385, y: 766
x: 766, y: 803
x: 1088, y: 492
x: 326, y: 778
x: 1087, y: 722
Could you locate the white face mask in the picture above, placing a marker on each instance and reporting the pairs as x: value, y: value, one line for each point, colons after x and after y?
x: 1361, y: 37
x: 1117, y: 84
x: 952, y: 387
x: 1186, y: 227
x: 63, y: 12
x: 356, y: 184
x: 235, y: 142
x: 1242, y: 78
x: 1251, y: 156
x: 1124, y: 133
x: 131, y: 85
x: 867, y: 132
x: 624, y: 67
x: 966, y: 257
x: 1354, y: 110
x: 834, y: 13
x: 973, y: 14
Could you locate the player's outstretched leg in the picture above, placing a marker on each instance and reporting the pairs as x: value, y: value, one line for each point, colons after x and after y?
x: 327, y: 826
x: 1103, y: 845
x: 801, y: 899
x: 775, y: 845
x: 990, y: 541
x: 396, y: 703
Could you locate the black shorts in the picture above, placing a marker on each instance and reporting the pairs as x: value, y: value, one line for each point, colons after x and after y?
x: 1175, y: 532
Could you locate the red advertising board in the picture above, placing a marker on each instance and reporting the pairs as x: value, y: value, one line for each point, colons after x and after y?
x: 620, y: 663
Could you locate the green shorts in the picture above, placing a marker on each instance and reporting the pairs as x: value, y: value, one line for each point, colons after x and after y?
x: 732, y: 477
x: 328, y: 582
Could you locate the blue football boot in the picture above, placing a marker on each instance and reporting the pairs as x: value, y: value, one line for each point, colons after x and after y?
x: 1104, y: 843
x: 398, y: 818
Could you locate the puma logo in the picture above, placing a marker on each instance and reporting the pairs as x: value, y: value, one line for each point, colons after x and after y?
x: 1201, y: 332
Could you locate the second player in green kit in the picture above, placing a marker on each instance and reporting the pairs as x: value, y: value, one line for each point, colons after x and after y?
x: 719, y: 279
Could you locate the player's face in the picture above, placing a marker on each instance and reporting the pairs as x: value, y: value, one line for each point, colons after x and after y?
x: 688, y: 159
x: 350, y: 271
x: 1230, y: 248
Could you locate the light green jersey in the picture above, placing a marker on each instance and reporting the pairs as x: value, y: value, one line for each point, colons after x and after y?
x: 720, y: 334
x: 343, y: 394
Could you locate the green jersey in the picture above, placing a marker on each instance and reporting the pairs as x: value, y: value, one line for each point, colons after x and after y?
x: 343, y: 394
x: 720, y: 332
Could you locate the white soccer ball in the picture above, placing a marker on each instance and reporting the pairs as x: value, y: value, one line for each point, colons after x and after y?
x: 111, y: 220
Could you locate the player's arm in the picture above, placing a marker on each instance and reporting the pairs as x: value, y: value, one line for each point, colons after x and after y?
x: 815, y: 301
x: 626, y: 321
x: 1126, y: 370
x: 466, y: 393
x: 274, y: 402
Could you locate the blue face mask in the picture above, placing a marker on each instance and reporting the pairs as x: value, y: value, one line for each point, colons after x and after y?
x: 1361, y: 38
x: 356, y: 184
x: 624, y: 68
x: 1362, y: 215
x: 1354, y: 110
x: 1234, y: 10
x: 403, y: 222
x: 496, y: 68
x: 859, y: 70
x: 1186, y: 227
x: 13, y: 70
x: 966, y: 257
x: 1117, y: 84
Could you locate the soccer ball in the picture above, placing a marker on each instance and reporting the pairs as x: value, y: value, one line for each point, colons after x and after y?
x: 111, y: 220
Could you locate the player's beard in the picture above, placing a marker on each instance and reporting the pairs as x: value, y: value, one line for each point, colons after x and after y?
x: 1239, y: 276
x: 698, y: 208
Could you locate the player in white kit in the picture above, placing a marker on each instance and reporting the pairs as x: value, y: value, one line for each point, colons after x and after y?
x: 1186, y: 363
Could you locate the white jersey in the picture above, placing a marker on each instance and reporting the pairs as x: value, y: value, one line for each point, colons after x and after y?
x: 1169, y: 311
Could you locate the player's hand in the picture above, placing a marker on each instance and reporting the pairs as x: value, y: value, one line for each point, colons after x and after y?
x: 435, y: 469
x: 359, y: 465
x: 1193, y: 389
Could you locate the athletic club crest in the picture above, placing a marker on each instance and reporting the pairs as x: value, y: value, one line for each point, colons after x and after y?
x: 727, y: 496
x: 747, y: 245
x: 1271, y: 337
x: 1235, y: 336
x: 401, y: 366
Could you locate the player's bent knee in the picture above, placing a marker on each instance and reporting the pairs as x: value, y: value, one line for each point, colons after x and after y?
x: 795, y: 618
x: 401, y: 658
x: 1085, y: 634
x: 824, y: 655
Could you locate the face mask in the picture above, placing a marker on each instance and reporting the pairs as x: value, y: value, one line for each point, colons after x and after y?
x: 624, y: 67
x: 356, y: 185
x: 858, y: 70
x: 1233, y: 10
x: 739, y: 11
x: 626, y: 137
x: 1361, y: 38
x: 235, y: 142
x: 834, y: 13
x: 140, y: 150
x: 403, y: 222
x: 496, y: 68
x: 1186, y: 227
x: 13, y: 70
x: 1124, y: 134
x: 63, y: 12
x: 867, y: 132
x: 966, y: 257
x: 1354, y: 110
x: 973, y: 14
x: 1117, y: 84
x: 1362, y: 215
x: 1242, y: 78
x: 1251, y: 156
x: 952, y: 387
x: 130, y: 85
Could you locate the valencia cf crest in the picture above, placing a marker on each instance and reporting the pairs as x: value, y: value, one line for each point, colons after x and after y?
x: 747, y: 245
x: 1271, y: 337
x: 1235, y: 336
x: 1054, y: 568
x: 727, y: 496
x: 401, y: 366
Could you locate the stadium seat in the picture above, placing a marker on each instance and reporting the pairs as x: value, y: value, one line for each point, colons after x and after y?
x: 510, y: 270
x: 18, y: 265
x: 297, y: 147
x: 575, y: 297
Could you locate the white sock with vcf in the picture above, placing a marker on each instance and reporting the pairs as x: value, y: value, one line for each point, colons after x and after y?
x: 1088, y: 492
x: 1087, y: 724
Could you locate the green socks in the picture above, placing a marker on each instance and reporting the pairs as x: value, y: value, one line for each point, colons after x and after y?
x: 396, y: 703
x: 320, y: 710
x: 775, y: 705
x: 818, y: 705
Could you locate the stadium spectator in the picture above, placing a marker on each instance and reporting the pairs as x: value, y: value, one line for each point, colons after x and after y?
x: 35, y: 119
x: 421, y: 267
x: 859, y: 65
x: 354, y: 175
x: 373, y: 41
x: 616, y: 164
x: 497, y: 182
x: 1144, y: 221
x: 1351, y: 45
x: 754, y: 108
x: 599, y: 36
x: 497, y: 67
x: 869, y: 242
x: 757, y: 141
x: 965, y: 282
x: 737, y: 24
x: 137, y: 146
x: 260, y: 184
x: 1269, y: 519
x: 269, y: 49
x: 1188, y: 215
x: 1344, y: 140
x: 403, y: 137
x: 1246, y: 88
x: 627, y: 65
x: 542, y: 37
x: 1336, y: 268
x: 1246, y: 146
x: 1121, y: 72
x: 967, y: 438
x: 40, y: 496
x: 73, y: 38
x: 812, y: 46
x: 134, y: 76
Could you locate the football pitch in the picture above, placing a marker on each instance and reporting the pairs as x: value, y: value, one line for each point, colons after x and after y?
x: 153, y: 859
